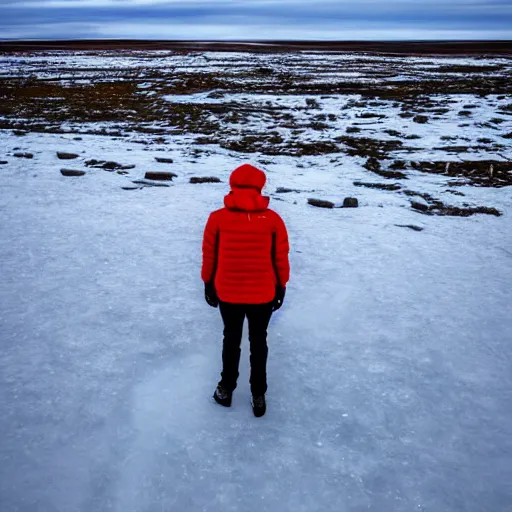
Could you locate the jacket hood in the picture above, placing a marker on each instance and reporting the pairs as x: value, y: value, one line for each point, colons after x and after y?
x: 248, y: 176
x: 246, y: 183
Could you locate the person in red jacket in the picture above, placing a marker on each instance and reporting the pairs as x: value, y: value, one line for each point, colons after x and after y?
x: 245, y: 270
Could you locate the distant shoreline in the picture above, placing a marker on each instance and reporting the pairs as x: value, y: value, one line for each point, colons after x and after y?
x: 503, y: 47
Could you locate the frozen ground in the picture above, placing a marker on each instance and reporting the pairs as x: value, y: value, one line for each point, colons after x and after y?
x: 390, y: 369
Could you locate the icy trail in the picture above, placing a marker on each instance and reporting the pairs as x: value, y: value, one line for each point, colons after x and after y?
x: 389, y: 372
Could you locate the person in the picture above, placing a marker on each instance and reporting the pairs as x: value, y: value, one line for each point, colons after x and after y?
x: 245, y: 270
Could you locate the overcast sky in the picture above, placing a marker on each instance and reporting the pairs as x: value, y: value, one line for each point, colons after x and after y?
x: 257, y: 19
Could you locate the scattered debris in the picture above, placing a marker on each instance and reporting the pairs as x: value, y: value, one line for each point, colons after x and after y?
x: 320, y: 203
x: 150, y: 183
x: 210, y: 179
x: 410, y: 226
x: 379, y: 186
x: 433, y: 206
x: 163, y: 160
x: 3, y: 162
x: 350, y: 202
x: 23, y: 155
x: 128, y: 187
x: 160, y: 175
x: 94, y: 163
x: 66, y: 156
x: 108, y: 166
x: 112, y: 166
x: 71, y: 172
x: 284, y: 190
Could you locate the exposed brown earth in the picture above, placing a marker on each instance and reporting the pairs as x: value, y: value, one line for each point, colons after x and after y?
x: 388, y: 47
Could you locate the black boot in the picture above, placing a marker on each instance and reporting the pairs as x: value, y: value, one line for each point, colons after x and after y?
x: 222, y: 396
x: 259, y: 405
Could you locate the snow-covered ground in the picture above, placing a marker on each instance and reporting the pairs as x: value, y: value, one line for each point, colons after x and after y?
x: 390, y: 367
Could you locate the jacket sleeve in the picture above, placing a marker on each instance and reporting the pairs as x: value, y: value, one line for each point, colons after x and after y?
x: 282, y: 249
x: 209, y: 249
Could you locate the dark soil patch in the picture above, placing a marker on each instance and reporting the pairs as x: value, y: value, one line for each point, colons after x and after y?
x: 453, y: 149
x: 455, y: 211
x: 483, y: 173
x: 398, y: 165
x: 420, y: 119
x: 95, y: 46
x: 468, y: 69
x: 374, y: 165
x: 393, y: 133
x: 373, y: 148
x: 264, y: 145
x: 370, y: 115
x: 420, y: 206
x: 436, y: 207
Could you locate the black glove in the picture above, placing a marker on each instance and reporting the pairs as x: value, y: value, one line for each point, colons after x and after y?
x: 279, y: 298
x: 211, y: 295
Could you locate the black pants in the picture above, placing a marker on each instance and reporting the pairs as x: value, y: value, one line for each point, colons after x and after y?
x: 258, y: 316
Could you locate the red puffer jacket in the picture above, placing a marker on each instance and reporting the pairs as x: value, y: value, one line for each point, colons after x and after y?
x: 245, y: 244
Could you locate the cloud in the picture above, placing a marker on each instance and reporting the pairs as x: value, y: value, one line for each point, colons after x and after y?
x: 182, y: 31
x: 324, y: 19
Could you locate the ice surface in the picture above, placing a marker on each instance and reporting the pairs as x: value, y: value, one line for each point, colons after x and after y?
x: 390, y: 364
